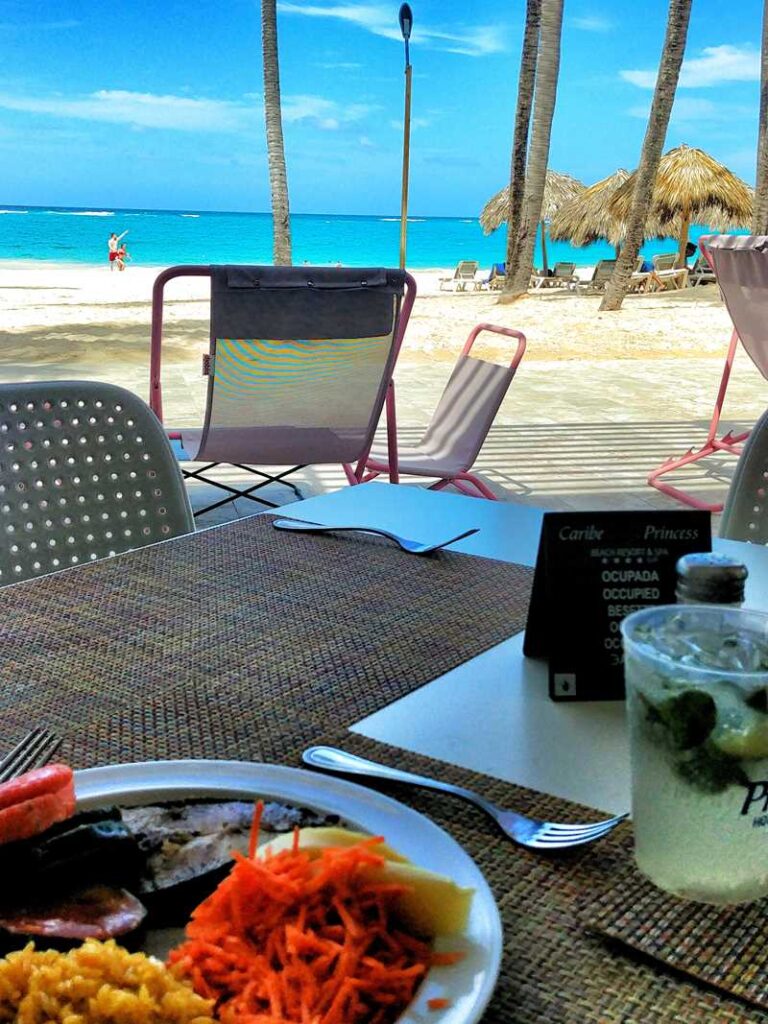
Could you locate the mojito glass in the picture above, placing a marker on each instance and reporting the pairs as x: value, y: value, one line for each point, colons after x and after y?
x: 697, y: 701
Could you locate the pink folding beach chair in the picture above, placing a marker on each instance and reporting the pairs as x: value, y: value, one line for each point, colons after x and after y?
x: 740, y: 263
x: 460, y: 423
x: 299, y: 370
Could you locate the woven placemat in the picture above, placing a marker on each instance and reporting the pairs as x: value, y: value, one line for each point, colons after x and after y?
x: 554, y: 970
x: 209, y: 645
x: 723, y: 946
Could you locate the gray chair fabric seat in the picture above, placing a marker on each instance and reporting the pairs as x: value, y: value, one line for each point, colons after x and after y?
x: 461, y: 421
x: 86, y: 472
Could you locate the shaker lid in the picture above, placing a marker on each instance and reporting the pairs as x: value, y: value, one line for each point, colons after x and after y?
x: 711, y: 577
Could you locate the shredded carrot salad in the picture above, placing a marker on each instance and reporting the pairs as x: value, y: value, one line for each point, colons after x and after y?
x: 290, y: 939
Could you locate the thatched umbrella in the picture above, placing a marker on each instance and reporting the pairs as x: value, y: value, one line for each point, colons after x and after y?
x: 691, y: 188
x: 585, y: 218
x: 558, y: 189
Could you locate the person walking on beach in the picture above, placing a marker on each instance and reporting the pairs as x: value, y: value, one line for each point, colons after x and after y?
x: 113, y: 244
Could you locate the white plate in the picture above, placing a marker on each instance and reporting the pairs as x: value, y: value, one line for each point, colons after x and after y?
x: 468, y: 984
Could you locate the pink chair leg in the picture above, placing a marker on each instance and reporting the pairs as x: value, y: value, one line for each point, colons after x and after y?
x: 465, y: 482
x: 485, y: 491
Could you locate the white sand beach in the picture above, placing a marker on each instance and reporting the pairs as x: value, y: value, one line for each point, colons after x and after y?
x: 80, y: 313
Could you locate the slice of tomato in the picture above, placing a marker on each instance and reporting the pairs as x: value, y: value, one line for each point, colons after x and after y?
x: 49, y: 779
x: 33, y: 816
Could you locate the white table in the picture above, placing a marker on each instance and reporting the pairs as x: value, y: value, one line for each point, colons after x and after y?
x: 493, y: 713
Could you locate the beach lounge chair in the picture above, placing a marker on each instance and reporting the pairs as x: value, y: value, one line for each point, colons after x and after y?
x: 88, y: 472
x: 601, y: 275
x: 701, y: 273
x: 460, y: 423
x: 561, y: 276
x: 667, y: 273
x: 740, y: 263
x: 299, y: 370
x: 497, y: 277
x: 462, y: 278
x: 641, y: 280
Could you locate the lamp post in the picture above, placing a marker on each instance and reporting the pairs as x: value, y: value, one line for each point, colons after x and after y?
x: 405, y: 18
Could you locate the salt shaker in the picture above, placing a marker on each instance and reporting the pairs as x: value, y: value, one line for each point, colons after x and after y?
x: 710, y: 578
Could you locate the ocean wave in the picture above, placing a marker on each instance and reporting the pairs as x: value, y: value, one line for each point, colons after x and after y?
x: 81, y: 213
x: 396, y: 220
x: 189, y: 214
x: 14, y: 211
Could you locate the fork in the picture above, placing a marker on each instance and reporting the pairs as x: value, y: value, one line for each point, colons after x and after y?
x: 34, y: 750
x: 412, y: 547
x: 530, y: 832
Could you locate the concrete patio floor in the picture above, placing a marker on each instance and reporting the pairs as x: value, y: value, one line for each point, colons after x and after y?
x: 570, y: 434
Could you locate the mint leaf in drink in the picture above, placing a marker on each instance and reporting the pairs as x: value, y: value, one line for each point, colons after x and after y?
x: 709, y: 770
x: 758, y: 701
x: 689, y: 718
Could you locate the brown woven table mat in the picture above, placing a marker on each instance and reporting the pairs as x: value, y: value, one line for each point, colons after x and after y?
x: 724, y: 946
x: 247, y: 644
x: 554, y: 971
x: 194, y: 647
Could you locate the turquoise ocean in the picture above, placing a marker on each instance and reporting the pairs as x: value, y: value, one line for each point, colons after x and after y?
x: 165, y: 237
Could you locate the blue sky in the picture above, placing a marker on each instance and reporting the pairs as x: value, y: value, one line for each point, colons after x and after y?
x: 140, y: 104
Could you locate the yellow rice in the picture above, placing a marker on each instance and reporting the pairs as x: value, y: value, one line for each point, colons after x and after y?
x: 97, y: 983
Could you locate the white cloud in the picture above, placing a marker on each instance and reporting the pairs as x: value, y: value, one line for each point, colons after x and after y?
x: 471, y: 40
x: 182, y: 113
x: 592, y: 23
x: 689, y: 109
x: 365, y: 142
x: 326, y: 114
x: 138, y: 109
x: 715, y: 65
x: 416, y: 122
x: 339, y: 65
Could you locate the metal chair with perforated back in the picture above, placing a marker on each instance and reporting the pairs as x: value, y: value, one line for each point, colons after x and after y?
x: 86, y: 472
x: 745, y: 515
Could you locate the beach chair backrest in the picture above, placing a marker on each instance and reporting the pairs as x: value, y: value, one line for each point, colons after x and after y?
x: 564, y: 270
x: 301, y: 358
x: 469, y: 403
x: 87, y: 472
x: 665, y: 261
x: 603, y: 271
x: 741, y: 267
x: 466, y: 270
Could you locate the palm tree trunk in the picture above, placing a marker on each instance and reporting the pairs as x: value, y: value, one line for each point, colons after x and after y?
x: 278, y: 181
x: 525, y: 86
x: 683, y: 243
x: 548, y: 67
x: 760, y: 214
x: 653, y: 143
x: 544, y: 263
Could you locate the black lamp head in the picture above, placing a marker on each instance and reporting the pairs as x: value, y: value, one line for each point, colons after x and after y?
x: 405, y: 18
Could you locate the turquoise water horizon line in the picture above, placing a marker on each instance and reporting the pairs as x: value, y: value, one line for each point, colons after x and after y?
x: 160, y: 238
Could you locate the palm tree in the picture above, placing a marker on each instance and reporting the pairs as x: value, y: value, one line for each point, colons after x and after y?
x: 760, y: 216
x: 525, y: 83
x: 547, y: 69
x: 653, y: 143
x: 278, y: 182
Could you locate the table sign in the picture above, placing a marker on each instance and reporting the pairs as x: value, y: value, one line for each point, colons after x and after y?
x: 592, y: 570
